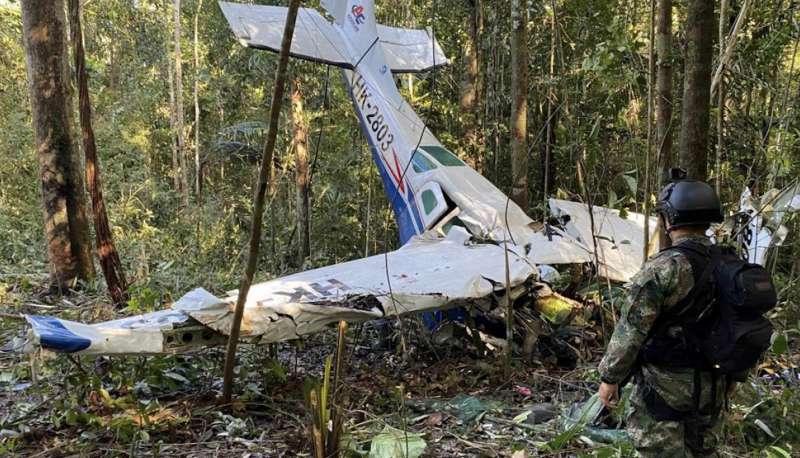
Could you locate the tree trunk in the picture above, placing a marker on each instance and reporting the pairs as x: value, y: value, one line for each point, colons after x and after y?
x: 723, y: 11
x: 66, y: 226
x: 198, y: 170
x: 264, y: 174
x: 300, y: 144
x: 104, y: 240
x: 182, y: 169
x: 519, y: 104
x: 664, y: 88
x: 470, y: 87
x: 700, y: 28
x: 550, y: 121
x: 173, y: 141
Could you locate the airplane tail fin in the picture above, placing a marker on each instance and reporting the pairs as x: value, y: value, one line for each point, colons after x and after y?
x: 335, y: 8
x: 359, y: 25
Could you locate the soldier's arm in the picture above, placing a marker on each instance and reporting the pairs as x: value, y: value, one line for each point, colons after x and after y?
x: 652, y: 289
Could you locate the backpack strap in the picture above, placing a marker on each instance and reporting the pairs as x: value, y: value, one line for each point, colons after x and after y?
x: 704, y: 260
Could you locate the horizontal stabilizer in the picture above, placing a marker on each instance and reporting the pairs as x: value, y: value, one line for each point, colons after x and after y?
x: 315, y: 38
x: 410, y: 50
x: 318, y: 40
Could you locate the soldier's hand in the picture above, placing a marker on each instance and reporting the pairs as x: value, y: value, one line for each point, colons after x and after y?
x: 609, y: 394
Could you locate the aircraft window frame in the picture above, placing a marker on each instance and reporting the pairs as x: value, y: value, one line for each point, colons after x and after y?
x: 422, y: 163
x: 428, y: 197
x: 443, y: 156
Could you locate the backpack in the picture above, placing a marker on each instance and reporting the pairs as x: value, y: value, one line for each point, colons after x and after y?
x: 722, y: 318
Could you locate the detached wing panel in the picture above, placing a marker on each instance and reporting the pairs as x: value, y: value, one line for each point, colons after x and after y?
x: 315, y: 38
x: 410, y: 50
x: 142, y: 334
x: 425, y: 275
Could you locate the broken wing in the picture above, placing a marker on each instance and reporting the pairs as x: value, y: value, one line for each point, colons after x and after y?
x: 423, y: 275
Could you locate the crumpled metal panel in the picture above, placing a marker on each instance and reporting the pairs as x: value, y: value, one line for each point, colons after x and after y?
x: 620, y: 241
x: 424, y: 275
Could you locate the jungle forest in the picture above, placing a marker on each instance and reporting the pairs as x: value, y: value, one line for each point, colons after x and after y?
x: 411, y: 228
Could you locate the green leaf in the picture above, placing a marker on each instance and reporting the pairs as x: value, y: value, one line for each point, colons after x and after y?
x: 612, y: 198
x: 177, y: 377
x: 777, y: 452
x: 631, y: 182
x: 394, y: 443
x: 779, y: 344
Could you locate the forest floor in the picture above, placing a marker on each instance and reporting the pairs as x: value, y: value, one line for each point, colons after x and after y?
x: 446, y: 397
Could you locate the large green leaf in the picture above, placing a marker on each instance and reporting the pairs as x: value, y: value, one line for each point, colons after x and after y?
x: 394, y: 443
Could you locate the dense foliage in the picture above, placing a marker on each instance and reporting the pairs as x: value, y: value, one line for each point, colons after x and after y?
x: 598, y: 87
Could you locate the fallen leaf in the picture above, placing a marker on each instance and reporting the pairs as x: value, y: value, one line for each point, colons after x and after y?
x: 435, y: 419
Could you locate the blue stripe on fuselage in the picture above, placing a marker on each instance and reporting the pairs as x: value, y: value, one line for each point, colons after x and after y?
x: 406, y: 217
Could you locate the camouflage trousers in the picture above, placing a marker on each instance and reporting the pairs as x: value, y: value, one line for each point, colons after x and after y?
x: 663, y: 439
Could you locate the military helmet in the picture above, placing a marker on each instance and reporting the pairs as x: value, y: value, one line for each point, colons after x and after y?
x: 687, y: 202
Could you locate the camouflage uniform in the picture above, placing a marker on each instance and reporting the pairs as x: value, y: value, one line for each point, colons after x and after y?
x: 664, y: 280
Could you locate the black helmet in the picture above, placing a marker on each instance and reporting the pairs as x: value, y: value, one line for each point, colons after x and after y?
x: 686, y: 202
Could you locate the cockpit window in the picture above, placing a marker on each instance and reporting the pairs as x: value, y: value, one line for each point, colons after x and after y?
x: 443, y: 156
x: 421, y: 162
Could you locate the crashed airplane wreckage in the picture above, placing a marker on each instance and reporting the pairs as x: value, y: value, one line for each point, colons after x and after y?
x: 456, y: 228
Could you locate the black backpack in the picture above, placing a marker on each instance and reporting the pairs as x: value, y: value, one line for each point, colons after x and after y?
x: 722, y: 318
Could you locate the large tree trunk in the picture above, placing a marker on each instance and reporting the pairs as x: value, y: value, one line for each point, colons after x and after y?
x: 300, y: 144
x: 66, y: 226
x: 182, y: 169
x: 470, y: 87
x: 664, y: 88
x: 519, y: 104
x: 700, y: 28
x: 104, y: 240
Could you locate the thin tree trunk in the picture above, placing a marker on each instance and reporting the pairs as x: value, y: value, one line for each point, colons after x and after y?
x: 66, y: 226
x: 723, y: 12
x: 550, y: 129
x: 730, y: 45
x: 470, y: 87
x: 664, y: 88
x: 104, y: 240
x: 519, y: 104
x: 81, y: 236
x: 700, y: 22
x: 198, y: 170
x: 175, y: 172
x: 182, y: 169
x: 259, y: 201
x: 300, y: 143
x: 651, y: 73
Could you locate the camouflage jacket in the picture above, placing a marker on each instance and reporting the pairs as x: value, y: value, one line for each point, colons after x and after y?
x: 664, y: 281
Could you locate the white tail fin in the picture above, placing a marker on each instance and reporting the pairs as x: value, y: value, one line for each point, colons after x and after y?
x: 359, y: 26
x: 335, y: 8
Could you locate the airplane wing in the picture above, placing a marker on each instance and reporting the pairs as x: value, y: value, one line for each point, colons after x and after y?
x: 318, y: 40
x: 422, y: 275
x: 620, y: 241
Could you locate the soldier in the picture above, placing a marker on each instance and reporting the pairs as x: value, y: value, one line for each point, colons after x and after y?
x: 673, y: 411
